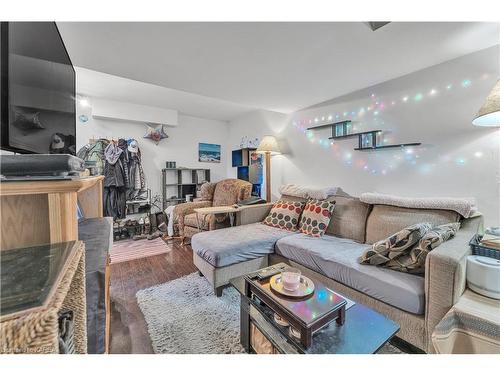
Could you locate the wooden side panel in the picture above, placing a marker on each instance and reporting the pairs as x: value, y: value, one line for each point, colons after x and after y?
x: 62, y: 217
x: 24, y: 221
x: 91, y: 200
x: 259, y: 343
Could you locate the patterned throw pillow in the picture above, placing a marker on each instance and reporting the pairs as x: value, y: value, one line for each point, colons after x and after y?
x: 414, y: 261
x: 285, y: 215
x: 396, y: 245
x: 316, y: 217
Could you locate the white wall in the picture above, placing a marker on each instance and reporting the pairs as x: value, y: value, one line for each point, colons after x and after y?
x: 456, y: 159
x: 181, y: 146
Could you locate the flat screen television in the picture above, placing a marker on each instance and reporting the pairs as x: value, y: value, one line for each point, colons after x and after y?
x: 38, y: 104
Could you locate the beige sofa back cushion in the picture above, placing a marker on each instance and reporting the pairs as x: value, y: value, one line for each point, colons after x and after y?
x: 384, y: 221
x: 349, y: 218
x: 291, y: 198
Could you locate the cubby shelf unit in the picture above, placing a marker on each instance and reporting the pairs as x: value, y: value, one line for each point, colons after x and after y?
x: 178, y: 182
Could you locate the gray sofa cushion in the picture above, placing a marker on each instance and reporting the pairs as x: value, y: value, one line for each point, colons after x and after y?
x: 233, y: 245
x: 336, y: 258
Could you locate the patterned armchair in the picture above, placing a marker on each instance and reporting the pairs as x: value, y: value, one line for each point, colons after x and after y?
x: 224, y: 193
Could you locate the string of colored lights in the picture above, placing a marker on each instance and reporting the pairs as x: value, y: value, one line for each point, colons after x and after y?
x: 376, y: 107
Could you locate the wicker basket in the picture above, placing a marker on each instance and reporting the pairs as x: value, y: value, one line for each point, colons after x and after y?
x: 478, y: 249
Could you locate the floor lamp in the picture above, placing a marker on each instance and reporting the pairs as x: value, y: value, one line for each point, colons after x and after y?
x: 268, y: 146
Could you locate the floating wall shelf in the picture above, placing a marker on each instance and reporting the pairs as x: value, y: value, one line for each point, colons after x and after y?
x: 367, y: 141
x: 402, y: 145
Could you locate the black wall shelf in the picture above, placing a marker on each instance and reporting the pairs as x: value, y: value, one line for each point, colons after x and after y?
x: 362, y: 146
x: 355, y: 134
x: 333, y: 124
x: 401, y: 145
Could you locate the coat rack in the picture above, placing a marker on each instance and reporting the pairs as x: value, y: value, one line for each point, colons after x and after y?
x: 367, y: 141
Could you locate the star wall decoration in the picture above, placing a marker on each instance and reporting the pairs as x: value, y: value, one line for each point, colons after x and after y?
x: 156, y: 134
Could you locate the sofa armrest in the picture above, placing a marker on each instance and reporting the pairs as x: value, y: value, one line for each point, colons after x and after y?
x: 183, y: 209
x: 187, y: 208
x: 253, y: 214
x: 445, y: 274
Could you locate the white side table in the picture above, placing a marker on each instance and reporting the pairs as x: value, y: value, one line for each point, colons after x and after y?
x: 471, y: 326
x: 230, y: 210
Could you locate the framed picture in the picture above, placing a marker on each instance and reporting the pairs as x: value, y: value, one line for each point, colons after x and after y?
x: 208, y: 153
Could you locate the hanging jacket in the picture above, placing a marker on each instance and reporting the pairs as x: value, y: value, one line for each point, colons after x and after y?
x: 114, y: 172
x: 95, y: 152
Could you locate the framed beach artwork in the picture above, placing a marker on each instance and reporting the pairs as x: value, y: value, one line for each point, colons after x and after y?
x: 208, y: 153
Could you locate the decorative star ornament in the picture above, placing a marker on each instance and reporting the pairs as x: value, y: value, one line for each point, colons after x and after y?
x: 155, y: 134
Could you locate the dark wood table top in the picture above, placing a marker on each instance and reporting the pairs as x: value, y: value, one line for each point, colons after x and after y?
x: 365, y: 331
x: 309, y: 309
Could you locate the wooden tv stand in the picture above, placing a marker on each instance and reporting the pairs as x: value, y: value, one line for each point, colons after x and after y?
x: 45, y: 212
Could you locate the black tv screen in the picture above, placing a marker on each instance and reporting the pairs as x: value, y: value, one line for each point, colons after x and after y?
x: 38, y: 107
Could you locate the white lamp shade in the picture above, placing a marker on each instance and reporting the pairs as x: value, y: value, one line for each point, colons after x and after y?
x: 489, y: 114
x: 269, y: 144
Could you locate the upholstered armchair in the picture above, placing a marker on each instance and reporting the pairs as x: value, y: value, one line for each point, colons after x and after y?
x: 224, y: 193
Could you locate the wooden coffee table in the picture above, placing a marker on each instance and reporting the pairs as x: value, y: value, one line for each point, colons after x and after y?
x: 360, y: 331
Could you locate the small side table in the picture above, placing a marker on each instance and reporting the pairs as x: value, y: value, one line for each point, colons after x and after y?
x: 471, y: 326
x: 230, y: 210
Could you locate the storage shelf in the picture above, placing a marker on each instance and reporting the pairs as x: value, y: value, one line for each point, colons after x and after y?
x: 138, y: 202
x: 330, y: 125
x: 402, y: 145
x: 355, y: 134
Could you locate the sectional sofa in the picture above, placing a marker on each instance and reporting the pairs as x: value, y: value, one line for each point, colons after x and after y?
x: 417, y: 303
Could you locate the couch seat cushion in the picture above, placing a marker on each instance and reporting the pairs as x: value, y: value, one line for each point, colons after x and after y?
x: 233, y: 245
x: 336, y: 258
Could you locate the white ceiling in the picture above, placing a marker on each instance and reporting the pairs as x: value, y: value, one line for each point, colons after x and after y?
x: 101, y: 85
x: 282, y: 67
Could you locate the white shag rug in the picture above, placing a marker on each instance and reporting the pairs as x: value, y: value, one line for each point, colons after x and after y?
x: 185, y: 317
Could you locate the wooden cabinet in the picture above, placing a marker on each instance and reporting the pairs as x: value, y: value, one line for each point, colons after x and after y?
x: 41, y: 212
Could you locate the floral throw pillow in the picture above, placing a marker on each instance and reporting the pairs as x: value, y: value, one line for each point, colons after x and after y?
x: 316, y: 217
x: 394, y: 246
x: 285, y: 215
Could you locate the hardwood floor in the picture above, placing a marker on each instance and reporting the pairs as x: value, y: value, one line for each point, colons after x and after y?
x: 128, y: 333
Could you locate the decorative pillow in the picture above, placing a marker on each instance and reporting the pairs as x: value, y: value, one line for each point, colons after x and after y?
x: 316, y: 217
x: 396, y: 245
x: 285, y: 215
x: 414, y: 260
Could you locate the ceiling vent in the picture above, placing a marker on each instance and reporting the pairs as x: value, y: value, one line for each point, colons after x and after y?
x: 375, y: 25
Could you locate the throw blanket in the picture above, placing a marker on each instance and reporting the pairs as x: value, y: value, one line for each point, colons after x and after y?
x: 464, y: 206
x: 303, y: 191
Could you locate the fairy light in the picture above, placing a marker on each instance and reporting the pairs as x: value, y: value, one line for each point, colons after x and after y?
x: 377, y: 107
x: 466, y: 83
